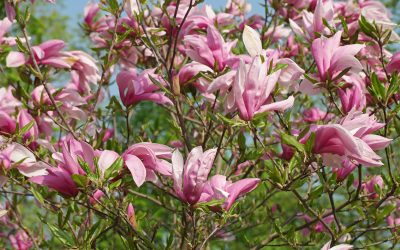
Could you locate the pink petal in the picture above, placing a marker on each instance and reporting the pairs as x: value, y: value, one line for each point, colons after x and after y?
x: 137, y: 169
x: 15, y: 59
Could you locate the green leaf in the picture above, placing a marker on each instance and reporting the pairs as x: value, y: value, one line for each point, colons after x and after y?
x: 367, y: 27
x: 115, y: 184
x: 292, y: 141
x: 161, y: 86
x: 309, y: 145
x: 26, y: 128
x: 113, y: 169
x: 242, y: 141
x: 37, y: 195
x: 233, y: 123
x: 170, y: 241
x: 80, y: 180
x: 61, y: 235
x: 212, y: 203
x: 310, y: 78
x: 84, y: 165
x: 385, y: 212
x: 316, y: 192
x: 378, y: 88
x: 294, y: 162
x: 344, y: 24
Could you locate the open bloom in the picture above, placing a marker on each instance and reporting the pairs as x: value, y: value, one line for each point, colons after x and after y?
x: 69, y: 99
x: 369, y: 186
x: 47, y: 53
x: 134, y: 88
x: 219, y: 188
x: 22, y: 158
x: 332, y: 59
x: 144, y: 159
x: 60, y: 177
x: 211, y: 50
x: 85, y: 66
x: 352, y: 138
x: 313, y: 22
x: 190, y: 177
x: 252, y: 89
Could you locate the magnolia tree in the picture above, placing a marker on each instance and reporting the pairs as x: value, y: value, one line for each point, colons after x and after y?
x: 184, y: 128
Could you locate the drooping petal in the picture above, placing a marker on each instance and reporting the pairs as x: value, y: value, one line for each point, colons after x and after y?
x: 137, y: 169
x: 15, y: 59
x: 239, y: 188
x: 277, y: 106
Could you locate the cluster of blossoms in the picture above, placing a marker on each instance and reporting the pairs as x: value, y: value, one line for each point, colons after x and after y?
x: 215, y: 118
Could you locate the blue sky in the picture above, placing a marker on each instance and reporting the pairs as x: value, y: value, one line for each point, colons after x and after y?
x: 74, y: 8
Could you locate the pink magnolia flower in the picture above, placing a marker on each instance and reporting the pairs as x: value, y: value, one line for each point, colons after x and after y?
x: 319, y: 226
x: 70, y: 100
x: 210, y: 50
x: 5, y: 25
x: 108, y: 134
x: 219, y: 188
x: 89, y: 14
x: 238, y: 7
x: 314, y: 115
x: 20, y: 240
x: 353, y: 93
x: 257, y: 22
x: 8, y: 102
x: 189, y: 71
x: 130, y: 211
x: 24, y: 118
x: 7, y: 124
x: 252, y: 89
x: 351, y: 139
x: 60, y: 177
x: 202, y: 17
x: 95, y: 198
x: 369, y: 186
x: 352, y: 98
x: 10, y: 11
x: 85, y: 66
x: 177, y: 144
x: 144, y: 159
x: 190, y: 178
x: 332, y: 59
x: 131, y: 8
x: 393, y: 220
x: 344, y: 170
x: 134, y: 88
x: 394, y: 64
x: 17, y: 155
x: 47, y: 53
x: 312, y: 22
